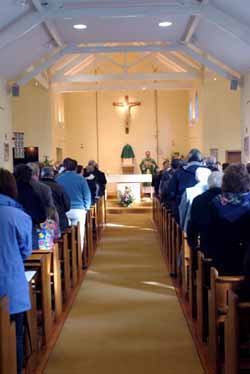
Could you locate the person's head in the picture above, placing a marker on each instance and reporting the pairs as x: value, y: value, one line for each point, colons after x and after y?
x: 225, y: 166
x: 236, y: 179
x: 147, y: 154
x: 211, y: 162
x: 47, y: 172
x: 215, y: 179
x: 23, y: 173
x: 69, y: 164
x: 165, y: 164
x: 34, y: 166
x: 79, y: 169
x: 202, y: 174
x: 176, y: 163
x: 194, y: 155
x: 8, y: 185
x: 92, y: 163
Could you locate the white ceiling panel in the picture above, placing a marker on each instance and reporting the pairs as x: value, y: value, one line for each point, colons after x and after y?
x: 223, y: 46
x: 105, y: 30
x: 10, y: 10
x: 21, y: 54
x: 239, y: 9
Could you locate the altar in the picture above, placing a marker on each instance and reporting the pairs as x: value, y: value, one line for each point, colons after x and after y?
x: 132, y: 181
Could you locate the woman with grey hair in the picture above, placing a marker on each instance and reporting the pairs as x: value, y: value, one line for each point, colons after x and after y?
x: 200, y: 217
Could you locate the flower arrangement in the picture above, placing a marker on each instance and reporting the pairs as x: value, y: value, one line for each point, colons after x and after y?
x: 126, y: 198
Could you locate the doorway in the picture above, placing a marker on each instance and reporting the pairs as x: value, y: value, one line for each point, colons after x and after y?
x: 233, y: 157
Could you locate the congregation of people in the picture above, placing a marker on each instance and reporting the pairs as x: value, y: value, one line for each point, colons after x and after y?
x: 211, y: 203
x: 37, y: 204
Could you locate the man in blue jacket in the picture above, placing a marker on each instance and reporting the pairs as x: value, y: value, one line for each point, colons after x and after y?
x: 78, y: 191
x: 182, y: 179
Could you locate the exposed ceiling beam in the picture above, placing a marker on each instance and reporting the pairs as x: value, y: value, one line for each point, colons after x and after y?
x: 71, y: 87
x: 49, y: 24
x: 20, y: 28
x: 144, y: 56
x: 72, y: 64
x: 178, y: 61
x: 40, y: 68
x: 111, y: 60
x: 127, y: 77
x: 192, y: 25
x: 124, y: 48
x: 207, y: 62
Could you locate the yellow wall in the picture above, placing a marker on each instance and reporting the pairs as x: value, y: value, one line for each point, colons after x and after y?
x: 245, y: 116
x: 32, y: 115
x: 5, y: 125
x: 87, y: 114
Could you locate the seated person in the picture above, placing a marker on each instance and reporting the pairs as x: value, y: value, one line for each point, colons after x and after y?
x: 15, y: 247
x: 200, y: 213
x: 60, y: 197
x: 190, y: 193
x: 228, y: 234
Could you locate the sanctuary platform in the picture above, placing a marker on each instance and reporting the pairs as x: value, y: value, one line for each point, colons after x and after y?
x: 114, y: 207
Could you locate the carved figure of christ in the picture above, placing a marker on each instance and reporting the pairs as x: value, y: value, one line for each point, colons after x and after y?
x: 127, y: 105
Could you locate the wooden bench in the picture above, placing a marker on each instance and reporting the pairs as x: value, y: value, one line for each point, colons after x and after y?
x: 7, y: 340
x: 218, y: 307
x: 64, y: 259
x: 72, y: 255
x: 56, y: 280
x: 185, y: 263
x: 202, y: 287
x: 41, y: 263
x: 237, y: 335
x: 33, y: 343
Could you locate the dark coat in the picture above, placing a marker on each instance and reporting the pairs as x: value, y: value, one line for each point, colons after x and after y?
x: 31, y: 203
x: 61, y: 201
x: 200, y: 219
x: 101, y: 181
x: 228, y: 241
x: 182, y: 179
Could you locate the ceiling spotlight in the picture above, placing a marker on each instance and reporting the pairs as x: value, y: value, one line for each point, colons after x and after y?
x: 165, y: 24
x: 80, y: 26
x: 215, y: 79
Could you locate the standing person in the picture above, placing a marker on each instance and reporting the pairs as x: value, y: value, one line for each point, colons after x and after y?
x: 78, y: 191
x: 200, y: 216
x: 228, y: 233
x: 29, y: 200
x: 60, y: 197
x: 15, y: 247
x: 148, y: 165
x: 158, y: 176
x: 182, y: 179
x: 43, y: 191
x: 91, y: 178
x: 176, y: 164
x: 101, y: 179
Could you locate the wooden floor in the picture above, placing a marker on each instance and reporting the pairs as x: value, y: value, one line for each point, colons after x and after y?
x: 126, y: 318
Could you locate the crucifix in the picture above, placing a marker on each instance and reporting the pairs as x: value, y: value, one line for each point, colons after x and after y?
x: 127, y: 105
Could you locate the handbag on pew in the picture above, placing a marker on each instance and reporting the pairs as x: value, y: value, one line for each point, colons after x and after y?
x: 48, y: 232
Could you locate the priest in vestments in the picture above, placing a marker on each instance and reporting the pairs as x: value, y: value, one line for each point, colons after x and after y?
x: 148, y: 166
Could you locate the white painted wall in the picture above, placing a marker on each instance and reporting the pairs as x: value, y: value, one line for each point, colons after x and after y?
x: 5, y: 125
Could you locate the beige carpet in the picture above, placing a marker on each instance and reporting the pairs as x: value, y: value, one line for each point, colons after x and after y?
x: 126, y: 319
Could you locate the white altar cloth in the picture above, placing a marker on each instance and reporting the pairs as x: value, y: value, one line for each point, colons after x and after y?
x: 133, y: 181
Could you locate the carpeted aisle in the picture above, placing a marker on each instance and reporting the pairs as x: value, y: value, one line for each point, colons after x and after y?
x: 126, y: 319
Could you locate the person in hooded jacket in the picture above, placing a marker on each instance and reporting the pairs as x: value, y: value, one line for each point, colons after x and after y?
x: 183, y: 179
x: 15, y: 247
x: 229, y: 234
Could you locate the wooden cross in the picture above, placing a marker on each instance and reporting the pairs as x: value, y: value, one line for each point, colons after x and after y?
x: 128, y: 106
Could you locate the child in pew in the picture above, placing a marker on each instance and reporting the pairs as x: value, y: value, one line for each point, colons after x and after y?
x: 15, y: 247
x: 48, y: 232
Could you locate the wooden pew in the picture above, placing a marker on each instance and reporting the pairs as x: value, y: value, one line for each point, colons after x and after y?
x: 185, y: 263
x: 7, y: 340
x: 54, y: 268
x: 202, y: 287
x: 64, y: 259
x: 218, y: 307
x: 89, y: 240
x: 41, y: 263
x: 32, y: 341
x: 237, y: 333
x: 72, y: 255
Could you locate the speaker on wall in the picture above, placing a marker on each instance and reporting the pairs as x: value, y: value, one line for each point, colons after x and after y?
x: 15, y: 90
x: 234, y: 84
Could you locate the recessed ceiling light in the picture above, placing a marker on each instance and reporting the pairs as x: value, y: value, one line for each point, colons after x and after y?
x: 80, y: 26
x: 165, y: 24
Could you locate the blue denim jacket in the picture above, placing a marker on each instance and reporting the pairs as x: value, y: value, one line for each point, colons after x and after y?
x: 15, y: 247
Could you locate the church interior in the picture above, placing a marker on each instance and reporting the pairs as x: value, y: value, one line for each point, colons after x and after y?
x: 124, y: 186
